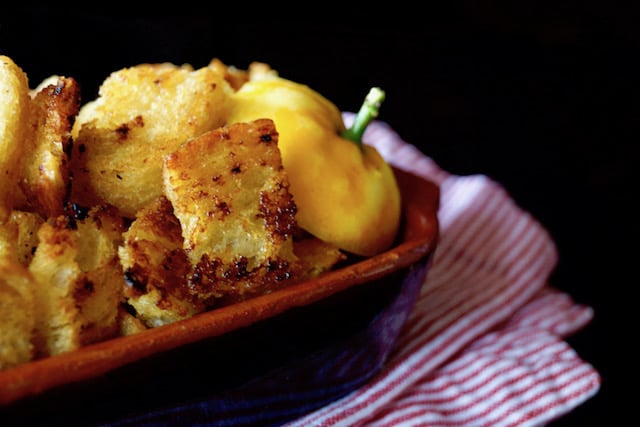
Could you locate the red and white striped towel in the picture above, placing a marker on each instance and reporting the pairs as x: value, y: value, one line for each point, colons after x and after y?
x: 484, y: 345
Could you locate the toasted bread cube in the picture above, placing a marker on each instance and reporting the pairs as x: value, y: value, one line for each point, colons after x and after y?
x: 15, y: 107
x: 231, y: 195
x: 44, y: 179
x: 16, y: 313
x: 8, y: 240
x: 27, y: 225
x: 316, y: 256
x: 156, y: 267
x: 129, y: 323
x: 19, y: 236
x: 142, y: 114
x: 79, y: 280
x: 236, y: 77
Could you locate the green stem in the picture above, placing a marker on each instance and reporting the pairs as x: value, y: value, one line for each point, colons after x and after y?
x: 367, y: 113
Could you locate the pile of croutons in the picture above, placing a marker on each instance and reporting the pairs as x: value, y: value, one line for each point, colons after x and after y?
x: 139, y: 208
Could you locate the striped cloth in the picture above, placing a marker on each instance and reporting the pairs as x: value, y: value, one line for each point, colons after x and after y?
x: 484, y: 344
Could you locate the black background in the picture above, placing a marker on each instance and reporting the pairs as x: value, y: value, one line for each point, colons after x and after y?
x: 541, y: 98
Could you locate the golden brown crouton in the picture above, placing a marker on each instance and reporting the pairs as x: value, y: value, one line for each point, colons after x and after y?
x: 231, y: 194
x: 156, y: 267
x: 316, y: 256
x: 19, y: 236
x: 129, y: 323
x: 236, y: 77
x: 14, y: 124
x: 8, y: 240
x: 79, y: 280
x: 27, y: 225
x: 142, y: 114
x: 16, y: 313
x: 44, y: 179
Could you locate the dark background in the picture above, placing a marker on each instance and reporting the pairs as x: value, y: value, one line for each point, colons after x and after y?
x: 542, y: 98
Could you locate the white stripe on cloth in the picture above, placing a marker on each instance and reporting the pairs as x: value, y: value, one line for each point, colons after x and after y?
x: 484, y: 344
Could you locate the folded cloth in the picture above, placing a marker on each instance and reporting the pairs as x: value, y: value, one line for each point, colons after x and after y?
x: 484, y: 345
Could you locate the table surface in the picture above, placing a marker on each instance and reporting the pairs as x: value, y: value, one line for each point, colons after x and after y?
x: 540, y: 99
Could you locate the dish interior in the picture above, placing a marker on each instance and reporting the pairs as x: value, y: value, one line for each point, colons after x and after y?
x: 316, y: 340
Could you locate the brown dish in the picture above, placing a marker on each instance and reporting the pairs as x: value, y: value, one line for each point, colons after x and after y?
x: 415, y: 245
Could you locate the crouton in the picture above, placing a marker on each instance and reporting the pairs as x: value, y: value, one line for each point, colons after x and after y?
x: 142, y: 114
x: 44, y: 178
x: 26, y: 239
x: 16, y: 313
x: 230, y: 192
x: 14, y: 119
x: 79, y: 280
x: 156, y: 267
